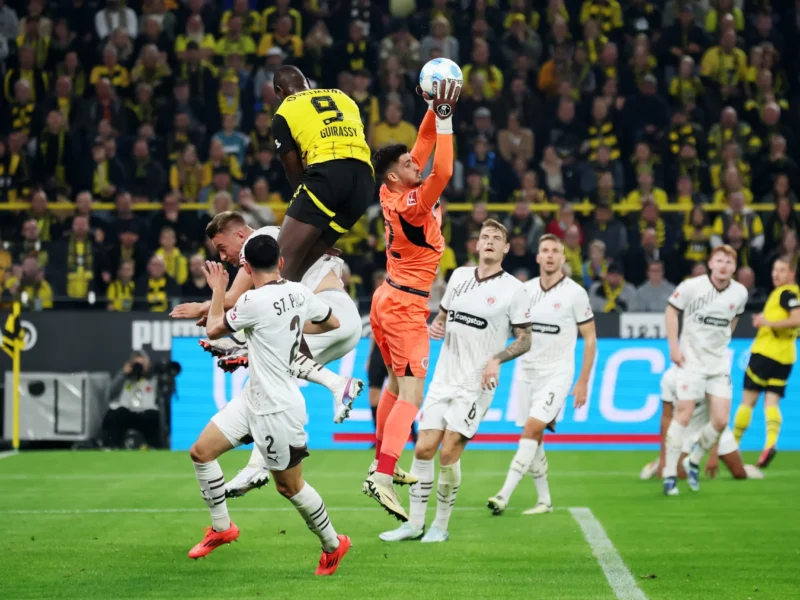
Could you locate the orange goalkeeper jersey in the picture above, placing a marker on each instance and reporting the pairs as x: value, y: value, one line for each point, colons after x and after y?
x: 414, y: 241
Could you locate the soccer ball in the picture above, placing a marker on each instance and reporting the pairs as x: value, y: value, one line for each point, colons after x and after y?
x: 436, y: 70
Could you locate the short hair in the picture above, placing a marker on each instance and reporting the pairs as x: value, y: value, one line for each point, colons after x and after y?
x: 222, y: 221
x: 384, y: 158
x: 725, y: 249
x: 549, y: 237
x: 788, y: 261
x: 495, y: 224
x: 262, y: 252
x: 597, y: 244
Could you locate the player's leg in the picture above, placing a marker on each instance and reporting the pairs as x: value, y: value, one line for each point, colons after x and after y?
x: 719, y: 408
x: 227, y: 429
x: 538, y: 470
x: 690, y: 386
x: 296, y: 240
x: 774, y: 419
x: 744, y: 413
x: 728, y: 451
x: 529, y: 443
x: 281, y: 438
x: 377, y: 373
x: 453, y: 445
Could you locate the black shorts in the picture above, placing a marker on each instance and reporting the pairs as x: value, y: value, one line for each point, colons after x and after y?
x: 376, y: 370
x: 333, y: 195
x: 766, y: 374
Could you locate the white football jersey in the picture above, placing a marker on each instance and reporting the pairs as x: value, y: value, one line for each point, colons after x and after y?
x: 272, y: 319
x: 555, y: 315
x: 707, y: 316
x: 315, y: 273
x: 480, y: 314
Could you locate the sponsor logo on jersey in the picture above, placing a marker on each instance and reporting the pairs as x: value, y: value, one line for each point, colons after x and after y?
x: 545, y: 328
x: 468, y: 320
x: 713, y: 321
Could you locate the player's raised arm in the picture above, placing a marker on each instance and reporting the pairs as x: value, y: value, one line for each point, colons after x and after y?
x: 217, y: 277
x: 426, y: 138
x: 287, y: 149
x: 196, y: 310
x: 444, y: 101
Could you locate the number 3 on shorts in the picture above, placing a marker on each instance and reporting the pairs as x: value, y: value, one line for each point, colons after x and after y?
x: 551, y: 397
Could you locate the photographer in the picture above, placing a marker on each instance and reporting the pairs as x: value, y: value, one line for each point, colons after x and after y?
x: 133, y: 418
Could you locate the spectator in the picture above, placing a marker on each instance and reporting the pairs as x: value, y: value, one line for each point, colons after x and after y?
x: 155, y: 288
x: 393, y: 129
x: 596, y: 267
x: 729, y: 128
x: 175, y: 263
x: 76, y: 261
x: 196, y: 289
x: 32, y: 244
x: 750, y: 224
x: 48, y: 224
x: 646, y: 192
x: 525, y: 222
x: 653, y: 295
x: 234, y: 143
x: 220, y: 184
x: 606, y: 228
x: 126, y: 247
x: 566, y: 218
x: 776, y: 162
x: 492, y: 76
x: 219, y: 161
x: 789, y: 246
x: 114, y: 15
x: 515, y: 141
x: 101, y: 176
x: 755, y: 296
x: 520, y: 40
x: 186, y: 174
x: 783, y: 217
x: 105, y: 106
x: 519, y: 256
x: 145, y: 177
x: 614, y: 294
x: 255, y: 215
x: 120, y: 292
x: 724, y: 69
x: 290, y: 44
x: 572, y: 252
x: 439, y: 39
x: 30, y: 287
x: 640, y: 256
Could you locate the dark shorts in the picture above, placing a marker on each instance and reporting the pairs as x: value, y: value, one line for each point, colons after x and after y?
x: 766, y: 374
x: 376, y: 370
x: 333, y: 195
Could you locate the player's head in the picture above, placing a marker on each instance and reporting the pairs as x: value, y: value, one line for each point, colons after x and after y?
x: 395, y: 167
x: 227, y: 232
x: 289, y: 80
x: 262, y: 255
x: 783, y: 271
x: 492, y: 242
x: 722, y: 263
x: 551, y: 254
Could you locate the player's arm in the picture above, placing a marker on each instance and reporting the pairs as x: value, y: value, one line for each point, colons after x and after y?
x: 320, y: 317
x: 438, y: 326
x: 789, y: 302
x: 217, y: 325
x: 287, y: 150
x: 520, y: 345
x: 666, y: 419
x: 426, y: 139
x: 589, y: 335
x: 195, y: 310
x: 677, y: 303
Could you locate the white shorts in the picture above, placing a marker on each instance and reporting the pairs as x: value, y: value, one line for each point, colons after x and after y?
x: 332, y: 345
x: 691, y: 385
x: 454, y: 408
x: 542, y: 398
x: 280, y: 437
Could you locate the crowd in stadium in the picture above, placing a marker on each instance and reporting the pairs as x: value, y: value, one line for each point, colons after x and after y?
x: 651, y: 133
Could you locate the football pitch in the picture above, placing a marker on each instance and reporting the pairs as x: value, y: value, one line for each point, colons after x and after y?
x: 106, y: 525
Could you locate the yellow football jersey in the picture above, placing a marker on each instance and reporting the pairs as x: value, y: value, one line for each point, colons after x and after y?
x: 778, y: 344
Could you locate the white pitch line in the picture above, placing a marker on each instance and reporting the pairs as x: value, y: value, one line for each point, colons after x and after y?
x: 233, y: 507
x: 618, y: 575
x: 8, y: 454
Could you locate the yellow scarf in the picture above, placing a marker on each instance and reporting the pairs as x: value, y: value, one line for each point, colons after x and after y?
x: 228, y: 106
x: 611, y: 296
x: 175, y: 263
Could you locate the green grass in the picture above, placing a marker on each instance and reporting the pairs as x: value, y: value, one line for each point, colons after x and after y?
x: 733, y: 541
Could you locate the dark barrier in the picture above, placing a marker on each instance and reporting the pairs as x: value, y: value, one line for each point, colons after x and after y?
x: 69, y: 341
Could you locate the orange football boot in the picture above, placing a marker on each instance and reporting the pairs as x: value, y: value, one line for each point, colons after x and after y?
x: 212, y: 539
x: 329, y: 561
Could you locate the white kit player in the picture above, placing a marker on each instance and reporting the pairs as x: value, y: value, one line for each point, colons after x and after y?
x: 727, y: 449
x: 480, y: 307
x: 710, y: 306
x: 270, y: 410
x: 229, y: 234
x: 559, y: 310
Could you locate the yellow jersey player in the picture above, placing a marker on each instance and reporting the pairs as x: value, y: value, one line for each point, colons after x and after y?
x: 771, y: 357
x: 320, y: 139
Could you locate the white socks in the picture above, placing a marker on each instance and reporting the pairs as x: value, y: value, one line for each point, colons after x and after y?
x: 674, y: 446
x: 449, y: 480
x: 539, y: 473
x: 306, y: 368
x: 212, y: 487
x: 520, y: 465
x: 708, y: 437
x: 311, y: 507
x: 419, y: 492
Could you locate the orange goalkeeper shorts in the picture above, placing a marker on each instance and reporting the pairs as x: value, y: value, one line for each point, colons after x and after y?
x: 399, y: 320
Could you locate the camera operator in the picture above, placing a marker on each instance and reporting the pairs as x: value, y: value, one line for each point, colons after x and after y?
x: 133, y: 416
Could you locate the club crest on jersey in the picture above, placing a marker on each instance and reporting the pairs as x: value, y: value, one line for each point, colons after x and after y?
x: 233, y: 314
x: 424, y: 363
x: 556, y: 306
x: 490, y: 300
x: 731, y: 306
